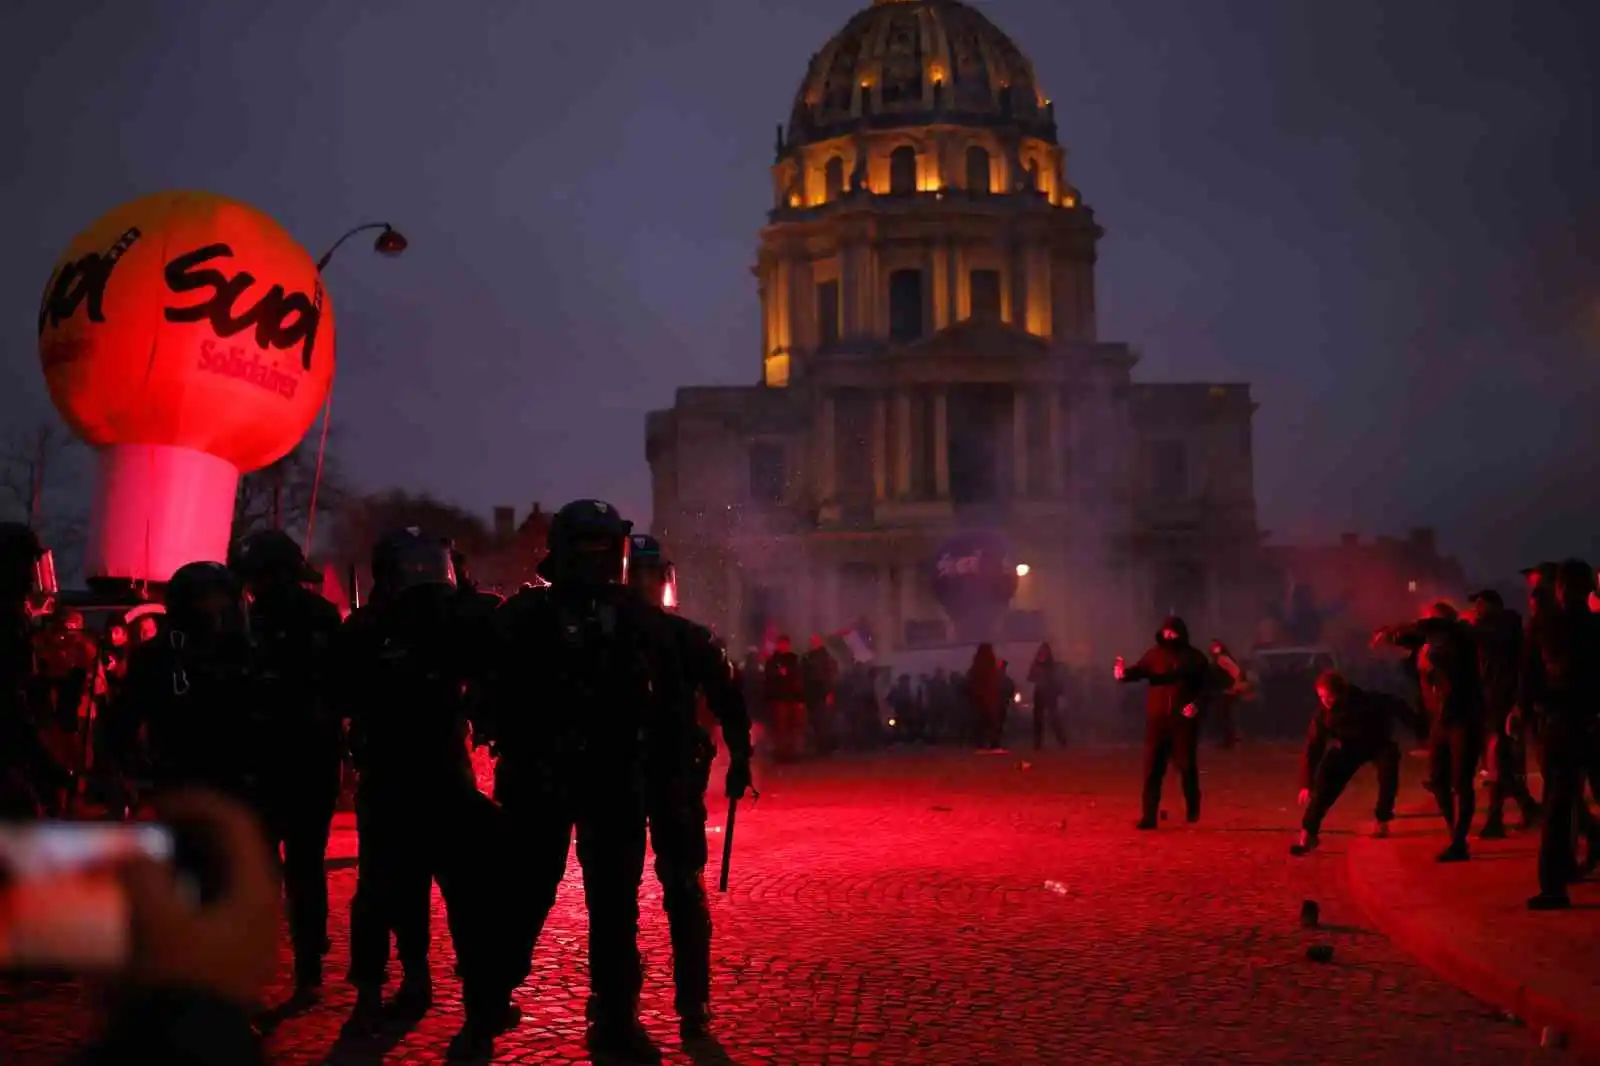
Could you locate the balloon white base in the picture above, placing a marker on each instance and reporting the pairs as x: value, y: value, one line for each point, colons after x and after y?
x: 157, y: 508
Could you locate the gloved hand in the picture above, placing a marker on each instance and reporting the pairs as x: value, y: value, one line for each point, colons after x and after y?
x: 738, y: 780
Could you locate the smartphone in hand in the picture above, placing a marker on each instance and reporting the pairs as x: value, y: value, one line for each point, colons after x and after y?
x: 62, y: 905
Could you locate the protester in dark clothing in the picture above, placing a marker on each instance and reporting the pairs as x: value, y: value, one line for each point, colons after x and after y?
x: 1452, y: 697
x: 1499, y: 639
x: 1178, y: 675
x: 1045, y: 675
x: 1351, y: 728
x: 785, y: 697
x: 820, y: 674
x: 985, y: 692
x: 1227, y: 702
x: 1562, y: 679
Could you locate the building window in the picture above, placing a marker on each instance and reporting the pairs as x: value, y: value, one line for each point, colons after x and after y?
x: 833, y: 179
x: 1033, y: 182
x: 979, y: 179
x: 905, y: 305
x: 775, y: 372
x: 767, y: 473
x: 903, y: 171
x: 1169, y: 470
x: 827, y: 313
x: 985, y: 292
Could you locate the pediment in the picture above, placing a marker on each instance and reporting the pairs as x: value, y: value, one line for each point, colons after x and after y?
x: 971, y: 337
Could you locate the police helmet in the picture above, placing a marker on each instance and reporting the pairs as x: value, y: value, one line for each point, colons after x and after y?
x: 20, y: 551
x: 206, y: 597
x: 270, y: 553
x: 588, y: 544
x: 405, y: 559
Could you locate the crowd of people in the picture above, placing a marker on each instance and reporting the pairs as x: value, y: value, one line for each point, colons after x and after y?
x: 1488, y: 688
x: 253, y: 688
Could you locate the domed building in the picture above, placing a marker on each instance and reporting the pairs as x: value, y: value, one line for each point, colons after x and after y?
x: 930, y: 366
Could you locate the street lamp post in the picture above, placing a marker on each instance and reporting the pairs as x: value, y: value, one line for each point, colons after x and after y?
x: 390, y: 242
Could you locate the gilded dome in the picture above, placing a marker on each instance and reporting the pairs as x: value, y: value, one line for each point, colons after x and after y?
x: 917, y: 62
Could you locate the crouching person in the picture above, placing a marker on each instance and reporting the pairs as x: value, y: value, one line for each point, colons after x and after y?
x: 1351, y: 728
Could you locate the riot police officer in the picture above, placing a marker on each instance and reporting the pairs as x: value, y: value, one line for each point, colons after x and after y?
x: 408, y: 657
x: 680, y: 755
x: 25, y: 763
x: 196, y: 692
x: 294, y: 629
x: 578, y: 670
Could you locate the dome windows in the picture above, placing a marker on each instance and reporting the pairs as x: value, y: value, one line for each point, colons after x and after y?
x: 833, y: 179
x: 980, y: 179
x: 903, y: 171
x: 905, y: 305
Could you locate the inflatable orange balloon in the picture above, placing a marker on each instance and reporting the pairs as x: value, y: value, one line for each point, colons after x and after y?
x: 188, y: 320
x: 189, y: 338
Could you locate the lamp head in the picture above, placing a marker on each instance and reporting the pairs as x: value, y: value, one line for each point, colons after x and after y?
x: 390, y: 242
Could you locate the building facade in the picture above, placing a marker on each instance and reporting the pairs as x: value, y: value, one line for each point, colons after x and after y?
x: 930, y: 364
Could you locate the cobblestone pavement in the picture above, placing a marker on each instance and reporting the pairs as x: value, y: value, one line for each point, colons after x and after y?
x: 896, y: 910
x: 1469, y: 921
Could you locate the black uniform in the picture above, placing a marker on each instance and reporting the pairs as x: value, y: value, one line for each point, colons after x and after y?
x: 1452, y: 697
x: 407, y: 658
x: 296, y: 629
x: 1499, y: 640
x: 681, y: 755
x: 196, y: 691
x: 1562, y: 679
x: 579, y: 680
x: 580, y: 673
x: 1178, y: 674
x: 1357, y: 730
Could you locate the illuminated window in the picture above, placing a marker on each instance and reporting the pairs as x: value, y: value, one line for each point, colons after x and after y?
x: 905, y: 305
x: 985, y: 292
x: 827, y: 313
x: 978, y: 171
x: 903, y: 171
x: 833, y: 179
x: 777, y: 371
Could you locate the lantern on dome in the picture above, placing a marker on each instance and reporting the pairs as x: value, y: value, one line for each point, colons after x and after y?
x: 187, y: 337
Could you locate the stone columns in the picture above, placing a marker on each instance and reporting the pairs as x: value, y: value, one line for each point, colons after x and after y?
x: 1019, y: 442
x: 849, y: 296
x: 902, y: 444
x: 941, y: 445
x: 952, y: 256
x: 827, y: 484
x: 880, y: 448
x: 939, y: 284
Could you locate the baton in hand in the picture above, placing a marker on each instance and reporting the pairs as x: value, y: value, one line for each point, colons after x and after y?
x: 727, y: 840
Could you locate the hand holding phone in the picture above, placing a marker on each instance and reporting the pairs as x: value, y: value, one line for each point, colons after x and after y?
x: 191, y: 901
x: 227, y: 944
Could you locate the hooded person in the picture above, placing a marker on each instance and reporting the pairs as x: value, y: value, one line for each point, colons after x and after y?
x: 1178, y: 675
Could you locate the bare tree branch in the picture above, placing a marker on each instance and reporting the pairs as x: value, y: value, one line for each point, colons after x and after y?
x: 40, y: 475
x: 280, y: 495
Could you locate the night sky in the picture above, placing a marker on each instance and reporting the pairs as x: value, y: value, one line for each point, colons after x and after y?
x: 1384, y: 214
